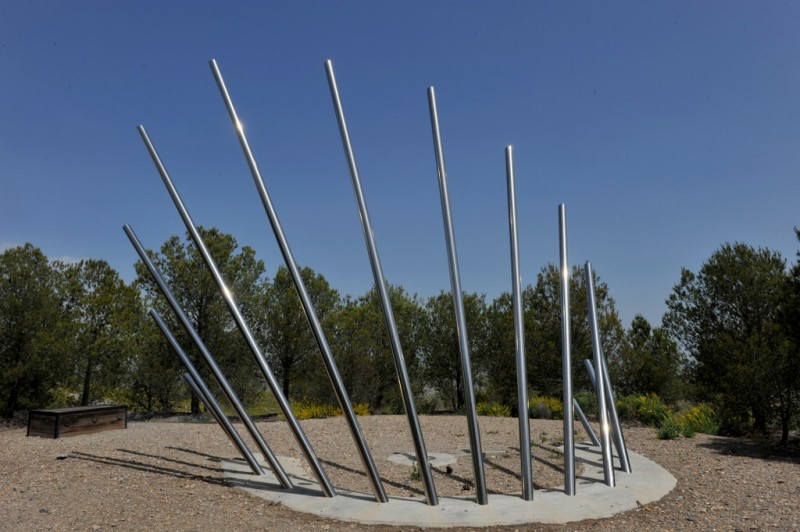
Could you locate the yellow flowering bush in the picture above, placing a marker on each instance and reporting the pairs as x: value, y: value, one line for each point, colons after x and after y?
x: 493, y: 409
x: 545, y: 407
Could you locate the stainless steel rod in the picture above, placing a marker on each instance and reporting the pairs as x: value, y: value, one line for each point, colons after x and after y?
x: 458, y: 303
x: 383, y: 292
x: 619, y: 437
x: 616, y: 429
x: 233, y: 307
x: 209, y: 358
x: 602, y: 407
x: 585, y: 422
x: 305, y: 299
x: 519, y: 335
x: 222, y: 420
x: 566, y: 356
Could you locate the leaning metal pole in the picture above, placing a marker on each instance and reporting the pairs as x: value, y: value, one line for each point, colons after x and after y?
x: 605, y: 440
x: 458, y: 303
x: 619, y: 438
x: 519, y: 334
x: 200, y: 389
x: 616, y: 428
x: 383, y: 292
x: 227, y: 295
x: 585, y: 422
x: 208, y: 357
x: 305, y: 299
x: 566, y: 356
x: 222, y: 420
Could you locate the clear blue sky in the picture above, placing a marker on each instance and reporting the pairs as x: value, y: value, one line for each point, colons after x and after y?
x: 667, y: 128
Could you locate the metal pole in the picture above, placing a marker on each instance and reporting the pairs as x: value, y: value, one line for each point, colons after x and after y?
x: 458, y: 303
x: 585, y: 423
x: 519, y: 334
x: 566, y: 356
x: 215, y: 370
x: 227, y: 295
x: 320, y: 475
x: 305, y: 299
x: 605, y: 440
x: 223, y: 422
x: 383, y: 292
x: 619, y: 439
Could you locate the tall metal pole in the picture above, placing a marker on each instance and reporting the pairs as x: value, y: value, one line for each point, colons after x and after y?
x: 605, y: 439
x: 616, y: 428
x: 233, y: 307
x: 566, y: 356
x: 223, y: 422
x: 519, y: 335
x: 305, y: 299
x: 383, y: 292
x: 199, y: 387
x: 458, y: 303
x: 209, y: 358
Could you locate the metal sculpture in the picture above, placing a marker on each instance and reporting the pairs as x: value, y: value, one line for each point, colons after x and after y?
x: 619, y: 439
x: 383, y: 292
x: 566, y: 356
x: 198, y: 385
x: 305, y: 299
x: 600, y: 384
x: 519, y: 335
x: 609, y: 420
x: 585, y: 422
x: 222, y: 420
x: 208, y: 357
x: 458, y: 302
x: 233, y: 307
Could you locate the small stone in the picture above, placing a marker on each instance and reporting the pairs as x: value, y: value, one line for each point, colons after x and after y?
x: 62, y: 456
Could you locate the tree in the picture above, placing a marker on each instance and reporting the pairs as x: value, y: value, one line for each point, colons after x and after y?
x: 725, y: 318
x: 543, y: 339
x: 285, y: 330
x: 29, y: 313
x: 498, y: 360
x: 101, y: 313
x: 363, y: 352
x: 650, y: 362
x: 442, y: 355
x: 790, y: 320
x: 194, y: 288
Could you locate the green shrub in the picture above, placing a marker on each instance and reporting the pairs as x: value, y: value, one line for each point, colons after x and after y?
x: 58, y: 397
x: 493, y: 409
x: 544, y: 407
x: 426, y: 406
x: 700, y: 418
x: 587, y: 401
x: 669, y: 429
x: 648, y: 409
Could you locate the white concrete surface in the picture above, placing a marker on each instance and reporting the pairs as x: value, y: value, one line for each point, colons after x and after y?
x: 593, y: 500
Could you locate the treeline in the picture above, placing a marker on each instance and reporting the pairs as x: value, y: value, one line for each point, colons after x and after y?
x: 78, y: 334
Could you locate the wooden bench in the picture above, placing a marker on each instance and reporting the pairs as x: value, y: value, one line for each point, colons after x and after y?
x: 75, y: 420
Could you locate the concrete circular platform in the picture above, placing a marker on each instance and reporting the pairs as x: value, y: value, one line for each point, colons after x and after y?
x: 594, y: 500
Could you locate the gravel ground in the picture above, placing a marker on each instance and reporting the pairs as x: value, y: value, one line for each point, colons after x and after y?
x: 167, y: 476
